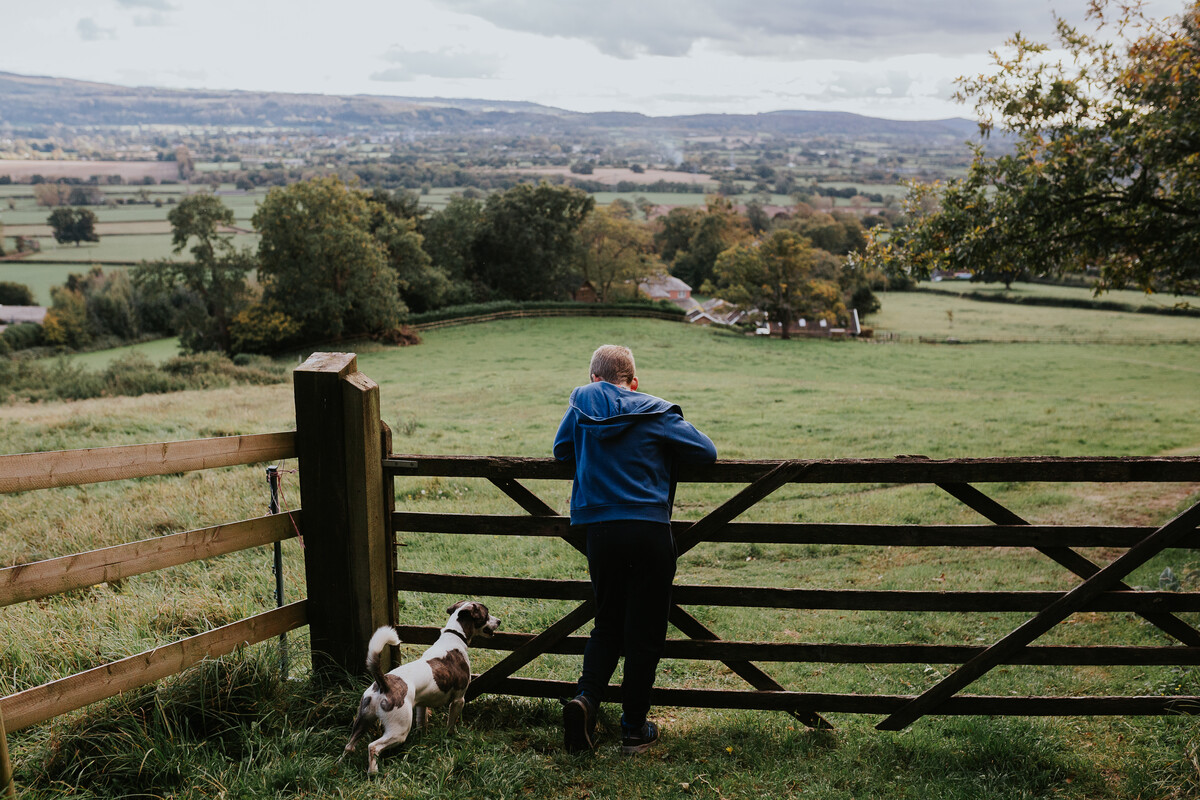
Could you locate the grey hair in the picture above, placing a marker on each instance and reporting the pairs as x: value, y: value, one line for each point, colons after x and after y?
x: 613, y: 363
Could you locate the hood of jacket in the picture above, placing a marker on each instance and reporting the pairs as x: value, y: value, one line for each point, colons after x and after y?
x: 607, y: 410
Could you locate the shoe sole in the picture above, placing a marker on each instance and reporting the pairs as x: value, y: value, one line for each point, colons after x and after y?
x: 575, y: 735
x: 634, y: 749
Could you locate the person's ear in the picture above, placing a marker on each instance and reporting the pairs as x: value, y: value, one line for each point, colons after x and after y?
x: 633, y: 384
x: 596, y: 378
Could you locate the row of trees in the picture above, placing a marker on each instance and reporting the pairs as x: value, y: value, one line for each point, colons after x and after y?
x: 336, y: 261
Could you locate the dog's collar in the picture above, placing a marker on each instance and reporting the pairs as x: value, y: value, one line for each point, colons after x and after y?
x: 456, y: 633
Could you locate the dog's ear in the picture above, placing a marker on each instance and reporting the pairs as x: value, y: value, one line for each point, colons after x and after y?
x: 480, y: 612
x: 456, y: 606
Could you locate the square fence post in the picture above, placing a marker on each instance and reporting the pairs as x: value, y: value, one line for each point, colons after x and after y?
x: 338, y: 444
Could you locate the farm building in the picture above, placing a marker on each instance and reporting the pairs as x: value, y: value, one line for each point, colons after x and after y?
x: 668, y: 287
x: 13, y: 315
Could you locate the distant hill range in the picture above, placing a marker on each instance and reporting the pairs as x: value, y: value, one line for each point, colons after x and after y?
x: 33, y: 101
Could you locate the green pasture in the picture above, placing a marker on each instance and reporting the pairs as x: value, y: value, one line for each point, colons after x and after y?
x: 138, y: 247
x: 1019, y: 289
x: 28, y: 212
x: 42, y: 277
x: 233, y: 728
x: 944, y: 316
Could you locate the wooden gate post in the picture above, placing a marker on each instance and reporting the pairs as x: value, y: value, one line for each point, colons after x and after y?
x: 346, y: 562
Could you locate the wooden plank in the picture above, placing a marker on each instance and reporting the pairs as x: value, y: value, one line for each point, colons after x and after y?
x: 751, y: 673
x: 734, y: 506
x: 1074, y: 600
x: 6, y: 773
x: 538, y: 508
x: 769, y: 597
x: 837, y: 653
x: 1066, y: 557
x: 532, y: 649
x: 49, y: 700
x: 966, y: 705
x: 877, y: 470
x: 787, y: 533
x: 25, y: 471
x: 56, y: 575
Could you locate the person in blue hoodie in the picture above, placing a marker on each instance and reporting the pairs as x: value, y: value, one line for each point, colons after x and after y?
x: 625, y: 447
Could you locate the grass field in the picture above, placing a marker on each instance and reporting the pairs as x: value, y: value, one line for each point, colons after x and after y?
x: 231, y: 729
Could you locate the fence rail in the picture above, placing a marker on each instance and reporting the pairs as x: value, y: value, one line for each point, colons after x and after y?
x: 32, y: 581
x: 1099, y: 589
x: 582, y: 311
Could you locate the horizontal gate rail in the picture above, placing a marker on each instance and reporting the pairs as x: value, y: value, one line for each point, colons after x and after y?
x: 864, y: 470
x: 963, y: 705
x: 812, y: 533
x: 825, y: 653
x: 808, y: 599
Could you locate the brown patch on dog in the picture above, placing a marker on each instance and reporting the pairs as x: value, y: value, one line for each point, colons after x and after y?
x: 394, y: 693
x: 451, y: 673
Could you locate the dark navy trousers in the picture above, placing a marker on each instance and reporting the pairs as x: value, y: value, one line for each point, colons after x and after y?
x: 632, y: 565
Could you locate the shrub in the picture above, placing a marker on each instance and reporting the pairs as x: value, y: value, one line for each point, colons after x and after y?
x: 23, y: 335
x: 15, y: 294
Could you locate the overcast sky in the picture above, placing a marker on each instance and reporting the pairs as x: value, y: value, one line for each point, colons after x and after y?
x: 877, y: 57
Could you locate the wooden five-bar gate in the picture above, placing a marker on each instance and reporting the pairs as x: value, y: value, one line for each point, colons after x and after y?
x: 349, y: 528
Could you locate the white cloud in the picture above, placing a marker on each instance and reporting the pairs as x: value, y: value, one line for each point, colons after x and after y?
x: 89, y: 31
x: 413, y: 64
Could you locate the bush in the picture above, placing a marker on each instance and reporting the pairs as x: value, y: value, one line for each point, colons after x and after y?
x: 23, y: 335
x: 15, y: 294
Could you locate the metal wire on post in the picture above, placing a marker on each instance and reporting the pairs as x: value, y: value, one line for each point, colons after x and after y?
x: 273, y: 508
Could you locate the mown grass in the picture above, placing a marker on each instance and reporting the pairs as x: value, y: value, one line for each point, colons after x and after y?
x: 232, y: 729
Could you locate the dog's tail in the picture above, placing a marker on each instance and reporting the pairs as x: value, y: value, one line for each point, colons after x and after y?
x: 383, y: 637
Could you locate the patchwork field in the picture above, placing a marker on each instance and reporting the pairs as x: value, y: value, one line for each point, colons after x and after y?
x: 500, y: 388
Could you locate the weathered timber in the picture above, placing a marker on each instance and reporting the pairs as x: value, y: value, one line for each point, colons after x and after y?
x: 966, y: 705
x: 7, y: 786
x: 734, y: 506
x: 346, y: 556
x: 25, y: 471
x: 532, y: 649
x: 49, y: 700
x: 538, y: 508
x: 868, y: 470
x: 1066, y: 557
x: 836, y: 653
x: 768, y: 597
x: 812, y: 533
x: 751, y: 673
x: 1060, y: 609
x: 56, y: 575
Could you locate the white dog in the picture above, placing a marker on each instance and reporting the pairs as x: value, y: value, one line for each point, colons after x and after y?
x: 439, y: 677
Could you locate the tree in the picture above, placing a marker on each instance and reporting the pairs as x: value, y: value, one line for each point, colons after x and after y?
x: 66, y: 322
x: 1103, y: 173
x: 613, y: 249
x: 690, y: 240
x: 393, y: 222
x: 51, y: 195
x: 320, y: 265
x: 777, y: 275
x: 526, y: 241
x: 214, y: 281
x: 73, y: 225
x: 449, y: 239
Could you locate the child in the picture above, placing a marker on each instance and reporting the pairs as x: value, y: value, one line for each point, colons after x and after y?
x: 625, y: 447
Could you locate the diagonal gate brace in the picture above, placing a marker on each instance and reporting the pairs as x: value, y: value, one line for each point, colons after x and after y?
x: 1165, y: 621
x: 1056, y: 612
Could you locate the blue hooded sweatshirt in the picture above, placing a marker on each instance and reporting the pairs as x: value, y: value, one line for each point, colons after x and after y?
x: 625, y: 446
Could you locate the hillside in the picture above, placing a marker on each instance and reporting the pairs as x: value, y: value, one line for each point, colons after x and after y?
x: 32, y: 101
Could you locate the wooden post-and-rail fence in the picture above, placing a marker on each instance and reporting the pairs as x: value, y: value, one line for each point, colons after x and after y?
x: 348, y: 527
